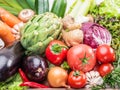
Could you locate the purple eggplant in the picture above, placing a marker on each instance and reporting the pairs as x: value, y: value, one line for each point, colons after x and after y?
x: 10, y: 59
x: 35, y: 68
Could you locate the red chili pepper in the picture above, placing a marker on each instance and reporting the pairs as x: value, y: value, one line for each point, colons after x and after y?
x: 23, y: 76
x: 33, y: 84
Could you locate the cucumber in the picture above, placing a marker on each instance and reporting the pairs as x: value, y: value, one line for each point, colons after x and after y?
x: 41, y: 6
x: 59, y: 7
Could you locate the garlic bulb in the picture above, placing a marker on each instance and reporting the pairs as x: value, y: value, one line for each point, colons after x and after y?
x: 93, y: 79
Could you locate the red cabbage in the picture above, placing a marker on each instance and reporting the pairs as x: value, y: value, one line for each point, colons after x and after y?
x: 95, y: 34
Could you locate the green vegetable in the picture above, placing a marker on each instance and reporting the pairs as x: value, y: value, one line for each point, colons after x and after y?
x: 11, y: 5
x: 108, y: 20
x: 113, y: 79
x: 39, y: 31
x: 12, y: 84
x: 80, y: 7
x: 107, y: 14
x: 9, y: 8
x: 31, y: 3
x: 42, y: 6
x: 59, y: 7
x: 23, y: 3
x: 65, y: 65
x: 15, y: 6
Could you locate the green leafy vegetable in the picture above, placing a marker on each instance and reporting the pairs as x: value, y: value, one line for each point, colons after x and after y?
x: 110, y: 21
x: 12, y: 83
x: 107, y: 14
x: 31, y: 3
x: 11, y: 5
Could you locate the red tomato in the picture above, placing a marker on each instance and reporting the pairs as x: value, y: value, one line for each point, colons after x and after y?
x: 77, y: 79
x: 81, y: 57
x: 56, y: 52
x: 105, y: 54
x: 105, y: 69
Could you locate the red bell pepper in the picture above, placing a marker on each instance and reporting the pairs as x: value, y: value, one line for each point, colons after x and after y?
x: 56, y: 52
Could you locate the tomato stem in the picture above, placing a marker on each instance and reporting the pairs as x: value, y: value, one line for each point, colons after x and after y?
x: 85, y: 59
x: 76, y: 73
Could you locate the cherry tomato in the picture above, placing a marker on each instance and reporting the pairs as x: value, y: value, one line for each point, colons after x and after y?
x: 56, y: 52
x: 81, y: 57
x: 105, y: 69
x: 77, y: 79
x: 105, y: 54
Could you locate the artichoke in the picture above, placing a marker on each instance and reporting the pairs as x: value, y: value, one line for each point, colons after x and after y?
x: 39, y: 31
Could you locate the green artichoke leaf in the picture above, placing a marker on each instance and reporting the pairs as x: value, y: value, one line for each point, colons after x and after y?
x: 39, y: 31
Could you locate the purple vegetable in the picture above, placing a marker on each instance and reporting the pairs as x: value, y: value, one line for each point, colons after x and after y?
x: 35, y: 67
x: 10, y: 60
x: 94, y: 34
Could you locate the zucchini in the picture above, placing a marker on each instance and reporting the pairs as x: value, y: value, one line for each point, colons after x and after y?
x: 42, y: 6
x: 59, y: 7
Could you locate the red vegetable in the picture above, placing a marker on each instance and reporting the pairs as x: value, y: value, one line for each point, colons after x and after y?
x: 56, y: 52
x: 6, y: 34
x: 8, y: 18
x: 77, y: 79
x: 33, y: 84
x: 105, y: 54
x: 81, y: 57
x: 105, y: 69
x: 23, y: 76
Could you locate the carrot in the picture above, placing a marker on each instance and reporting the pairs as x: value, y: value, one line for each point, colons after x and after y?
x: 8, y: 18
x: 6, y: 34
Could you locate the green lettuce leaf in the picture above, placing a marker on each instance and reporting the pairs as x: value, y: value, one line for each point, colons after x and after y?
x: 12, y: 83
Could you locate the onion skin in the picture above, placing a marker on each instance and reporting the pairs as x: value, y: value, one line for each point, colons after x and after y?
x: 57, y: 77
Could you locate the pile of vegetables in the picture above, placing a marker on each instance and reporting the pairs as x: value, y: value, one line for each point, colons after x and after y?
x: 61, y: 46
x: 107, y: 14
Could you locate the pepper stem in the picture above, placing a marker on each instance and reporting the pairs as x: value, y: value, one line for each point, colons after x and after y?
x: 56, y: 48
